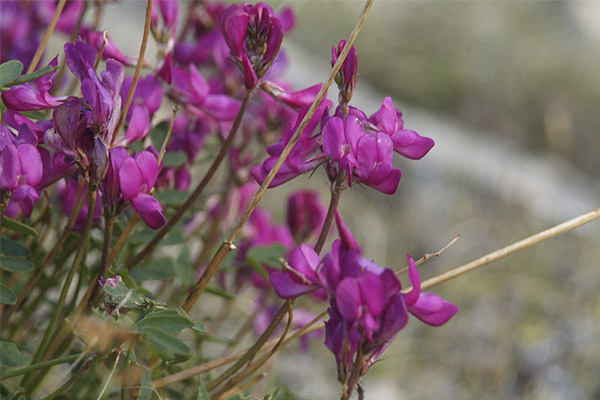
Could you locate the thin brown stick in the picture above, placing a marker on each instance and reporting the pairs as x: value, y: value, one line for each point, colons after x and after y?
x: 99, y: 56
x: 429, y: 255
x: 229, y: 245
x: 138, y: 71
x: 239, y: 388
x: 44, y: 42
x: 511, y: 249
x: 312, y: 326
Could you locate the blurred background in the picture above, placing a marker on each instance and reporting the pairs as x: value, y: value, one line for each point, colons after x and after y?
x: 510, y: 92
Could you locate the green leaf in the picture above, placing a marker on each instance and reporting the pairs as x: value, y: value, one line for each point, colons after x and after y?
x: 163, y: 341
x: 172, y: 197
x: 159, y: 133
x: 34, y: 75
x: 15, y: 264
x: 11, y: 356
x: 12, y: 248
x: 34, y: 114
x: 198, y: 327
x: 168, y: 321
x: 267, y: 255
x: 183, y: 268
x: 160, y: 269
x: 146, y: 387
x: 202, y: 392
x: 7, y: 296
x: 20, y: 227
x: 9, y: 71
x: 119, y: 292
x: 174, y: 158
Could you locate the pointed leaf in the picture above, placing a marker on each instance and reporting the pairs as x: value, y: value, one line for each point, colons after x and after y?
x: 34, y: 75
x: 146, y: 387
x: 7, y: 296
x: 165, y: 342
x: 20, y: 227
x: 12, y: 248
x: 169, y: 321
x: 174, y: 158
x: 15, y: 264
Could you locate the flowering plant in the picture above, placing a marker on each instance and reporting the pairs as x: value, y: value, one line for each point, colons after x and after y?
x: 130, y: 142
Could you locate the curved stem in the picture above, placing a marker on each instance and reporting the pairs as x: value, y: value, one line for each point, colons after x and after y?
x: 138, y: 71
x: 194, y: 195
x: 63, y: 294
x: 333, y: 203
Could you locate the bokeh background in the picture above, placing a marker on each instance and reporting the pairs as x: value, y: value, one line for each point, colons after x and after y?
x: 510, y: 92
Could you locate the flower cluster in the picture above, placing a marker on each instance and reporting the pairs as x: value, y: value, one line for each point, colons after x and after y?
x: 350, y: 145
x: 367, y: 307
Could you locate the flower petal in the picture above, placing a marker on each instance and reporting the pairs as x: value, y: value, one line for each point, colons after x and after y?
x: 130, y: 178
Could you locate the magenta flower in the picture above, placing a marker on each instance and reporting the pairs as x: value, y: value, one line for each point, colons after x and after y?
x: 300, y: 277
x: 67, y: 193
x: 193, y: 91
x: 254, y: 37
x: 169, y: 11
x: 348, y: 74
x: 305, y: 214
x: 137, y: 177
x: 28, y: 97
x: 364, y: 157
x: 20, y: 171
x: 406, y: 142
x: 146, y: 101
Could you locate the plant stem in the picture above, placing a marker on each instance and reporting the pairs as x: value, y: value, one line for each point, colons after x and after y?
x: 49, y: 257
x: 63, y: 294
x: 202, y: 368
x: 44, y: 42
x: 333, y: 203
x: 252, y: 350
x: 138, y: 71
x: 510, y: 249
x: 228, y: 245
x: 34, y: 367
x: 194, y: 195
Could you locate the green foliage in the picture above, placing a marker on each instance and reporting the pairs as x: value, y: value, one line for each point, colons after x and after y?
x: 174, y: 158
x: 9, y: 71
x: 8, y: 78
x: 15, y: 264
x: 267, y: 255
x: 12, y: 248
x: 11, y: 356
x: 172, y: 197
x: 19, y: 227
x: 7, y: 296
x: 159, y: 133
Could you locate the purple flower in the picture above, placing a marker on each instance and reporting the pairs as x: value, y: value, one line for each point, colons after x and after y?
x: 191, y: 89
x: 305, y: 214
x: 348, y: 74
x: 137, y: 177
x: 300, y: 276
x: 406, y: 142
x: 27, y: 97
x: 169, y: 12
x: 302, y: 157
x: 364, y: 157
x: 146, y: 101
x: 113, y: 281
x: 428, y: 307
x: 254, y: 37
x: 20, y: 171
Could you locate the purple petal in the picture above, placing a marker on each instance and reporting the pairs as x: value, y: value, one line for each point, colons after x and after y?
x: 347, y: 298
x: 432, y: 309
x: 410, y: 144
x: 372, y: 292
x: 139, y: 125
x: 395, y: 318
x: 334, y: 138
x: 10, y: 167
x: 286, y: 287
x: 31, y: 163
x: 386, y: 118
x: 130, y: 178
x: 413, y: 274
x: 198, y: 84
x: 347, y: 240
x: 26, y: 196
x: 391, y: 283
x: 234, y: 25
x: 149, y: 209
x: 148, y: 165
x: 304, y: 260
x: 354, y: 131
x: 250, y: 78
x: 221, y: 107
